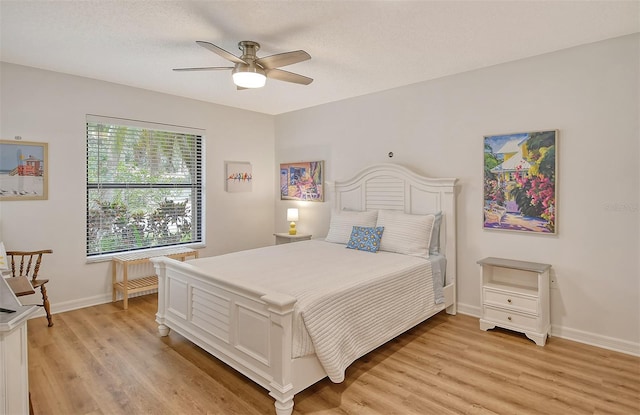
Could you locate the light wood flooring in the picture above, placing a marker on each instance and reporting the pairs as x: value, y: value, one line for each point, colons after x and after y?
x: 104, y: 360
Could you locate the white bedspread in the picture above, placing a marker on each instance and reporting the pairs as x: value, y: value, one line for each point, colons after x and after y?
x: 349, y: 302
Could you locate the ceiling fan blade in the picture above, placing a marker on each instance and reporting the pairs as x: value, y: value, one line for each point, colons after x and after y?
x: 206, y: 68
x: 283, y: 59
x: 281, y: 75
x: 218, y: 50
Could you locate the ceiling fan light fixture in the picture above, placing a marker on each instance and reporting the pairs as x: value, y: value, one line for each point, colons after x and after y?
x: 250, y: 71
x: 249, y: 76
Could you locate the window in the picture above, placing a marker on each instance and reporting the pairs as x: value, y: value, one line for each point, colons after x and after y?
x: 144, y: 185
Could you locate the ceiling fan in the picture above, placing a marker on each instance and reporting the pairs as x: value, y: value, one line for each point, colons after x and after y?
x: 250, y: 71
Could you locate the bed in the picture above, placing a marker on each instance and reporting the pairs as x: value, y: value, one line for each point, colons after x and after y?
x: 287, y: 316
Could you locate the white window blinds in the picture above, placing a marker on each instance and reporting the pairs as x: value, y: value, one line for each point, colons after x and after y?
x: 144, y: 185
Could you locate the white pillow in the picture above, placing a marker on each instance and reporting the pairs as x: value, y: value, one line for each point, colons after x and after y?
x: 404, y: 233
x: 342, y: 224
x: 434, y: 245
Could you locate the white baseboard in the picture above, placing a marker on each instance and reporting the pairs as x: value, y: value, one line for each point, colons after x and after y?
x: 469, y: 310
x: 592, y: 339
x: 605, y: 342
x: 57, y: 308
x: 82, y: 303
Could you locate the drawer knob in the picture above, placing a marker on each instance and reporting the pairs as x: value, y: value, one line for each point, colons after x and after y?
x: 509, y: 300
x: 509, y: 318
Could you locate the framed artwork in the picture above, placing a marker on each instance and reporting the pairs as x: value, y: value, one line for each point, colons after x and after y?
x: 239, y: 176
x: 302, y: 181
x: 520, y: 182
x: 23, y: 170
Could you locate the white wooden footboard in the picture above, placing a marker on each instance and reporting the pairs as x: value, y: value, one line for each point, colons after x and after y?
x: 248, y: 329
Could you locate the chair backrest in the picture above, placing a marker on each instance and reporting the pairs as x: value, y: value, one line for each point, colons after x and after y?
x: 26, y: 263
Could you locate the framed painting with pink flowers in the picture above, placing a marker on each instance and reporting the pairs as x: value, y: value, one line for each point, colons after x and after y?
x: 520, y: 182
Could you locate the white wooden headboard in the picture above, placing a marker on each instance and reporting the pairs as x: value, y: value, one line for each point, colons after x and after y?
x: 394, y: 187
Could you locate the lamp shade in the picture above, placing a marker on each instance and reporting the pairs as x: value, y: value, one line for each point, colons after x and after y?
x: 292, y: 214
x: 248, y: 76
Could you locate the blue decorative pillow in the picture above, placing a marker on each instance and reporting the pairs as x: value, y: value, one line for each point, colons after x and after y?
x: 365, y: 239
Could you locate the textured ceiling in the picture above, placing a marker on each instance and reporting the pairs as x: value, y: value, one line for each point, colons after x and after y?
x: 357, y: 47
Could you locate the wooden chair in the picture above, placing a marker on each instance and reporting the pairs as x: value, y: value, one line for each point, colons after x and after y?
x: 24, y: 269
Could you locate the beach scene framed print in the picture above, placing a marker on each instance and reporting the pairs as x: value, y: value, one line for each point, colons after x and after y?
x: 520, y: 182
x: 302, y: 181
x: 23, y: 170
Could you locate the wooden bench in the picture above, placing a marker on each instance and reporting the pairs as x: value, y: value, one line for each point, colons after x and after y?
x: 130, y: 286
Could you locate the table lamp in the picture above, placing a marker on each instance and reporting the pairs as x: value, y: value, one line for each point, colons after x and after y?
x: 292, y: 217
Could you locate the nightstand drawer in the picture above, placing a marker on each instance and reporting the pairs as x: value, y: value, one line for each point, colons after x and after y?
x: 511, y: 300
x: 506, y: 318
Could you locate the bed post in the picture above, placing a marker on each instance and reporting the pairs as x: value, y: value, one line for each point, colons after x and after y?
x: 449, y: 206
x: 161, y: 271
x: 281, y: 314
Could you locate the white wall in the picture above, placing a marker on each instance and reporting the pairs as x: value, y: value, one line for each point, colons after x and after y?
x: 589, y: 93
x: 51, y: 107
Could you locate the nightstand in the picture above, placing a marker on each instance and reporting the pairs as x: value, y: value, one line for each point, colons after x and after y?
x: 285, y: 238
x: 515, y: 296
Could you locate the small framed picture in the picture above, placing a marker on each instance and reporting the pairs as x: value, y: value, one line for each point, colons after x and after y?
x: 239, y: 176
x: 23, y: 170
x: 302, y: 181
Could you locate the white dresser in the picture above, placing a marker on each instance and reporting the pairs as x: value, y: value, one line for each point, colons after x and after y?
x: 14, y: 368
x: 515, y: 296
